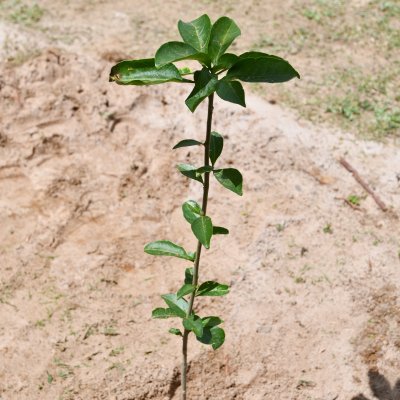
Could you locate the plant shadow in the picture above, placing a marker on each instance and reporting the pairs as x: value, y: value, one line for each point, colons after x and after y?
x: 380, y: 387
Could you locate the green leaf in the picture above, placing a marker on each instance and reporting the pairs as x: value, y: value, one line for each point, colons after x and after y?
x: 226, y: 61
x: 262, y: 68
x: 187, y: 288
x: 175, y: 331
x: 191, y: 210
x: 143, y: 72
x: 217, y: 337
x: 49, y: 378
x: 178, y: 306
x: 187, y: 143
x: 188, y: 275
x: 231, y: 179
x: 255, y: 54
x: 205, y: 84
x: 194, y: 323
x: 190, y: 171
x: 196, y: 33
x: 223, y: 33
x: 214, y: 336
x: 216, y: 146
x: 167, y: 248
x: 177, y: 51
x: 206, y: 168
x: 209, y: 322
x: 202, y: 229
x: 231, y: 91
x: 211, y: 288
x: 219, y: 230
x: 163, y: 313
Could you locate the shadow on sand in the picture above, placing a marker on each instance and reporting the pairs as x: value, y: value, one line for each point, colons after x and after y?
x: 381, y: 388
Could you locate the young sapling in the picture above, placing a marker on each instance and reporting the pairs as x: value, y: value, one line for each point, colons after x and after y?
x: 219, y: 73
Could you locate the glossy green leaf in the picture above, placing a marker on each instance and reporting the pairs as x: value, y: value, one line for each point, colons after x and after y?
x: 163, y: 313
x: 177, y: 51
x: 167, y: 248
x: 206, y: 168
x: 226, y: 61
x: 219, y: 230
x: 211, y: 288
x: 188, y: 275
x: 255, y: 54
x: 202, y: 229
x: 191, y: 210
x: 231, y: 91
x: 209, y: 322
x: 196, y: 33
x: 175, y: 331
x: 190, y: 171
x: 205, y: 84
x: 231, y: 179
x: 194, y: 323
x: 217, y: 337
x: 223, y: 33
x: 266, y: 68
x: 186, y: 289
x: 187, y: 143
x: 216, y: 146
x: 143, y: 72
x: 214, y: 336
x: 178, y: 306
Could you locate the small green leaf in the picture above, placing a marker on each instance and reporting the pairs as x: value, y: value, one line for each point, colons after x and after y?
x: 223, y: 33
x: 217, y: 337
x: 187, y: 288
x: 179, y: 306
x: 262, y: 68
x: 50, y: 378
x: 175, y: 331
x: 167, y: 248
x: 231, y: 179
x: 196, y: 33
x: 194, y: 323
x: 219, y: 230
x: 187, y: 143
x: 206, y: 168
x: 205, y: 84
x: 143, y: 72
x: 163, y: 313
x: 209, y: 322
x: 211, y: 288
x: 185, y: 71
x: 202, y: 229
x: 231, y: 91
x: 188, y: 275
x: 214, y: 336
x: 177, y: 51
x: 216, y: 146
x: 226, y: 61
x: 190, y: 171
x: 191, y: 210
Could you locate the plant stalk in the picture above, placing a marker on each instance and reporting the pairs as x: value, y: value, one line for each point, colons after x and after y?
x: 195, y: 281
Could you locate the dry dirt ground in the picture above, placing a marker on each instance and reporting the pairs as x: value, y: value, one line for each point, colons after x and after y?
x: 87, y: 178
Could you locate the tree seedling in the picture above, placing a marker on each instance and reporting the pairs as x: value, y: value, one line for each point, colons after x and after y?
x: 219, y: 73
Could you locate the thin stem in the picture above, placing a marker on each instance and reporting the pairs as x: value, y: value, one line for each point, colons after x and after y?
x: 195, y: 281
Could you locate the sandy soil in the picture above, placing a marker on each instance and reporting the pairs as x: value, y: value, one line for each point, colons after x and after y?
x: 87, y: 178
